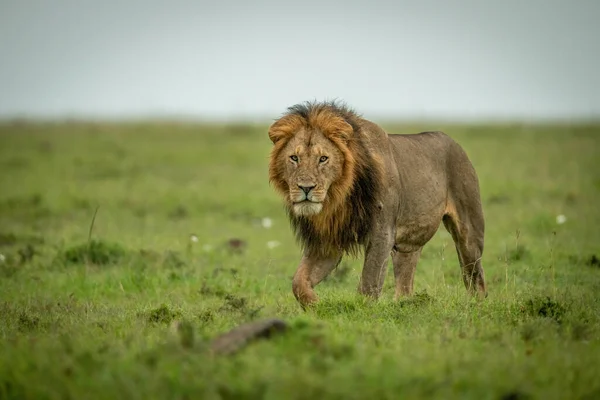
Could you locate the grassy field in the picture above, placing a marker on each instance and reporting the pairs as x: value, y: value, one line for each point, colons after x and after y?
x: 190, y: 241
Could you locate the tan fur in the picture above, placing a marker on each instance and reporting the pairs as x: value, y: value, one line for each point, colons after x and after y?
x: 383, y: 193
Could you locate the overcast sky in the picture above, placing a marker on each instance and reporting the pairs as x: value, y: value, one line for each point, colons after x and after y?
x: 523, y: 59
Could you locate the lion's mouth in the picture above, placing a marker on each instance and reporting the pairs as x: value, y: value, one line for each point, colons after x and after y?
x: 306, y: 201
x: 307, y: 207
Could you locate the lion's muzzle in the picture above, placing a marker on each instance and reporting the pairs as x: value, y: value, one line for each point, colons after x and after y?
x: 303, y: 192
x: 306, y: 189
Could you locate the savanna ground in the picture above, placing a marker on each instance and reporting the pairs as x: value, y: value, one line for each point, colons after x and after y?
x: 97, y: 316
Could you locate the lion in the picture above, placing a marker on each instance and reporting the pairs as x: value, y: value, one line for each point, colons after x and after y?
x: 349, y: 186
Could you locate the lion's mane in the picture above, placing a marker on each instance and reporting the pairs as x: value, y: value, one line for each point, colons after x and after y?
x: 347, y: 215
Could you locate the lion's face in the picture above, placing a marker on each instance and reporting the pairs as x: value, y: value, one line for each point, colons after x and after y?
x: 312, y: 164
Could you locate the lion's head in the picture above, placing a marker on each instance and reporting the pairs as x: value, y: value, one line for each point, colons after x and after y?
x: 310, y: 164
x: 320, y: 166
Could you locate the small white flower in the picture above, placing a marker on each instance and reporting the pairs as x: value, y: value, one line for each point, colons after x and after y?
x: 2, y: 257
x: 266, y: 222
x: 561, y: 219
x: 272, y: 244
x: 194, y: 238
x: 207, y: 248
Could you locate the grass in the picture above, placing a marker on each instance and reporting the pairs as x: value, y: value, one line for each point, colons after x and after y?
x: 180, y: 252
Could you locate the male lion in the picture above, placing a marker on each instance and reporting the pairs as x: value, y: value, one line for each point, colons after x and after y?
x: 348, y: 184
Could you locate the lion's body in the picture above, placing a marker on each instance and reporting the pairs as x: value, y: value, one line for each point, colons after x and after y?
x: 384, y: 193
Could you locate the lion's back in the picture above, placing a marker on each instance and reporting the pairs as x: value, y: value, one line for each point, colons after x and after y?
x: 423, y: 154
x: 434, y: 151
x: 434, y: 157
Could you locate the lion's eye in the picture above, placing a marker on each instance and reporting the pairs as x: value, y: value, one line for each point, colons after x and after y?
x: 323, y: 158
x: 294, y: 158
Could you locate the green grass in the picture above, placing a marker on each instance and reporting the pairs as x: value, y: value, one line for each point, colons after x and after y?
x: 94, y: 317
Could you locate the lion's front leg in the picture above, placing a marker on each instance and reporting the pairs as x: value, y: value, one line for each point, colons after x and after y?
x: 377, y: 252
x: 312, y: 270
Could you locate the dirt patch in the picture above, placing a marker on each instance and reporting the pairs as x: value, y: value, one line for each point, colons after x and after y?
x: 162, y: 315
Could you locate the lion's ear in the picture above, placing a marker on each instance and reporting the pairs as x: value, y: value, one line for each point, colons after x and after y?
x: 340, y: 129
x: 284, y: 127
x: 274, y: 135
x: 332, y: 125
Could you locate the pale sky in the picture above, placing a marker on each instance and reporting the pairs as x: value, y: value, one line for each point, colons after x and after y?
x: 520, y: 59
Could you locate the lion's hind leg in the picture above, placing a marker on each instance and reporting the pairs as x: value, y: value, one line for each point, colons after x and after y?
x: 466, y: 225
x: 405, y: 265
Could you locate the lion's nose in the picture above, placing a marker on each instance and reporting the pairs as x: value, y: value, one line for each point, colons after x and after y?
x: 306, y: 189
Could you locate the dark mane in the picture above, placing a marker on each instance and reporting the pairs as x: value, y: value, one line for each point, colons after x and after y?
x: 347, y: 228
